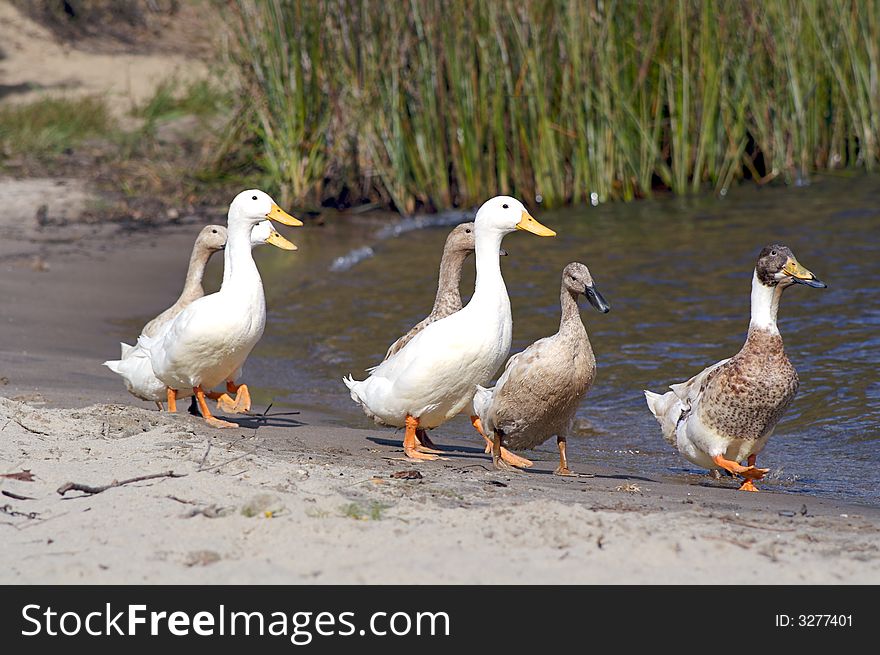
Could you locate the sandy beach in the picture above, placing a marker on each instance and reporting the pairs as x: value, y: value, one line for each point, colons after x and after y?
x: 294, y: 498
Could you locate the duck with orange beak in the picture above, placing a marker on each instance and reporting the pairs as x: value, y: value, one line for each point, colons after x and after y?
x: 435, y: 375
x: 209, y: 341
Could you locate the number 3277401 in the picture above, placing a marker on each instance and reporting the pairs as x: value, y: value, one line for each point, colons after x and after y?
x: 814, y: 620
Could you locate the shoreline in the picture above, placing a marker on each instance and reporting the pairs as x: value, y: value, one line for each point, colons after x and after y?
x: 336, y: 514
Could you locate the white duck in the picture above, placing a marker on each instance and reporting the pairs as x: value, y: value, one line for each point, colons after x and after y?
x: 209, y: 341
x: 725, y: 414
x: 434, y: 376
x: 135, y: 367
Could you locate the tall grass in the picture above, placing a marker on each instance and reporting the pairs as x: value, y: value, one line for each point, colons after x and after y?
x: 439, y: 103
x: 51, y: 125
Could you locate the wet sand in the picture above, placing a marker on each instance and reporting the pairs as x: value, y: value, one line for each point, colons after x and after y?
x: 297, y: 498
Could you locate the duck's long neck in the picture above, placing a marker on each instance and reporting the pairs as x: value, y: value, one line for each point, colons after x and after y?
x: 192, y: 287
x: 765, y: 305
x: 571, y: 315
x: 448, y: 297
x: 489, y: 290
x: 571, y: 326
x: 239, y: 268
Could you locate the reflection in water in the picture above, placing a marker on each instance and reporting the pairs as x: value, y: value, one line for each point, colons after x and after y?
x: 677, y: 273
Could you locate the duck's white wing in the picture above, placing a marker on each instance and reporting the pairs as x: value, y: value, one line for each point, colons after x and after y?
x: 669, y: 407
x: 137, y: 373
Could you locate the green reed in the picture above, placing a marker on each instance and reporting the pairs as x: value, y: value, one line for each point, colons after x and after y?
x: 439, y: 103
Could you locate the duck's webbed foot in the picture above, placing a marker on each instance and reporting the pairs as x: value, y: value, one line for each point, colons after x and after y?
x: 241, y: 404
x: 506, y: 456
x: 411, y: 445
x: 498, y: 460
x: 748, y: 485
x: 206, y: 413
x: 515, y: 460
x: 424, y: 443
x: 750, y: 472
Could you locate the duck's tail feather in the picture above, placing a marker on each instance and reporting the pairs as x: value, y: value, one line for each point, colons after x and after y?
x: 124, y: 349
x: 114, y: 365
x: 482, y: 404
x: 352, y: 384
x: 666, y: 408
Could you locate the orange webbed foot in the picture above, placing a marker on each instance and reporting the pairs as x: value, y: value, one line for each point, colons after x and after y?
x: 411, y: 445
x: 750, y: 472
x: 748, y: 485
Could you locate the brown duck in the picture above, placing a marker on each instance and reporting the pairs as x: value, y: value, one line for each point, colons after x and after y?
x: 539, y: 392
x: 725, y: 415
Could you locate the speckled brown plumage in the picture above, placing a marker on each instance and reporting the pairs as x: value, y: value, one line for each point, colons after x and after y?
x: 745, y: 397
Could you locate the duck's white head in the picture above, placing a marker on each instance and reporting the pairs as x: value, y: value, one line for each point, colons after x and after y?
x: 253, y: 206
x: 505, y: 214
x: 263, y: 232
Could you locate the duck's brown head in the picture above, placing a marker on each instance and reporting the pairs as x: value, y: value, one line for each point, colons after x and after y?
x: 777, y: 266
x: 461, y: 240
x: 212, y: 238
x: 577, y: 279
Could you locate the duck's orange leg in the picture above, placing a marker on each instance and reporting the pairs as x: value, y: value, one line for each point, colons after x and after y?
x: 506, y: 455
x: 750, y: 472
x: 206, y: 413
x: 171, y: 394
x: 411, y: 445
x: 562, y: 469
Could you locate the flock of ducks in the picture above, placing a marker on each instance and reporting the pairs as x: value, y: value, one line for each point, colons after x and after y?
x: 719, y: 419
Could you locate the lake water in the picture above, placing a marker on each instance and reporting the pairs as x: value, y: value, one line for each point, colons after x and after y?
x: 677, y: 273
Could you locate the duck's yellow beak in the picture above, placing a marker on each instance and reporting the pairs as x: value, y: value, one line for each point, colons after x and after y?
x: 529, y: 224
x: 800, y: 274
x: 278, y: 214
x: 279, y: 241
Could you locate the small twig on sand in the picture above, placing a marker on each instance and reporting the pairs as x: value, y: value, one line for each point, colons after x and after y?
x: 745, y: 524
x: 183, y: 501
x: 229, y: 461
x: 24, y: 475
x: 16, y: 496
x: 204, y: 457
x: 32, y: 430
x: 75, y: 486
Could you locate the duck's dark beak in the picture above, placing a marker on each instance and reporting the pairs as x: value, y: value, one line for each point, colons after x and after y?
x: 801, y: 275
x: 815, y: 283
x: 596, y: 299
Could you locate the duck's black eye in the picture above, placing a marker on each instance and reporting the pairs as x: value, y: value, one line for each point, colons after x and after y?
x: 467, y: 231
x: 253, y: 197
x: 773, y: 253
x: 213, y: 231
x: 504, y: 205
